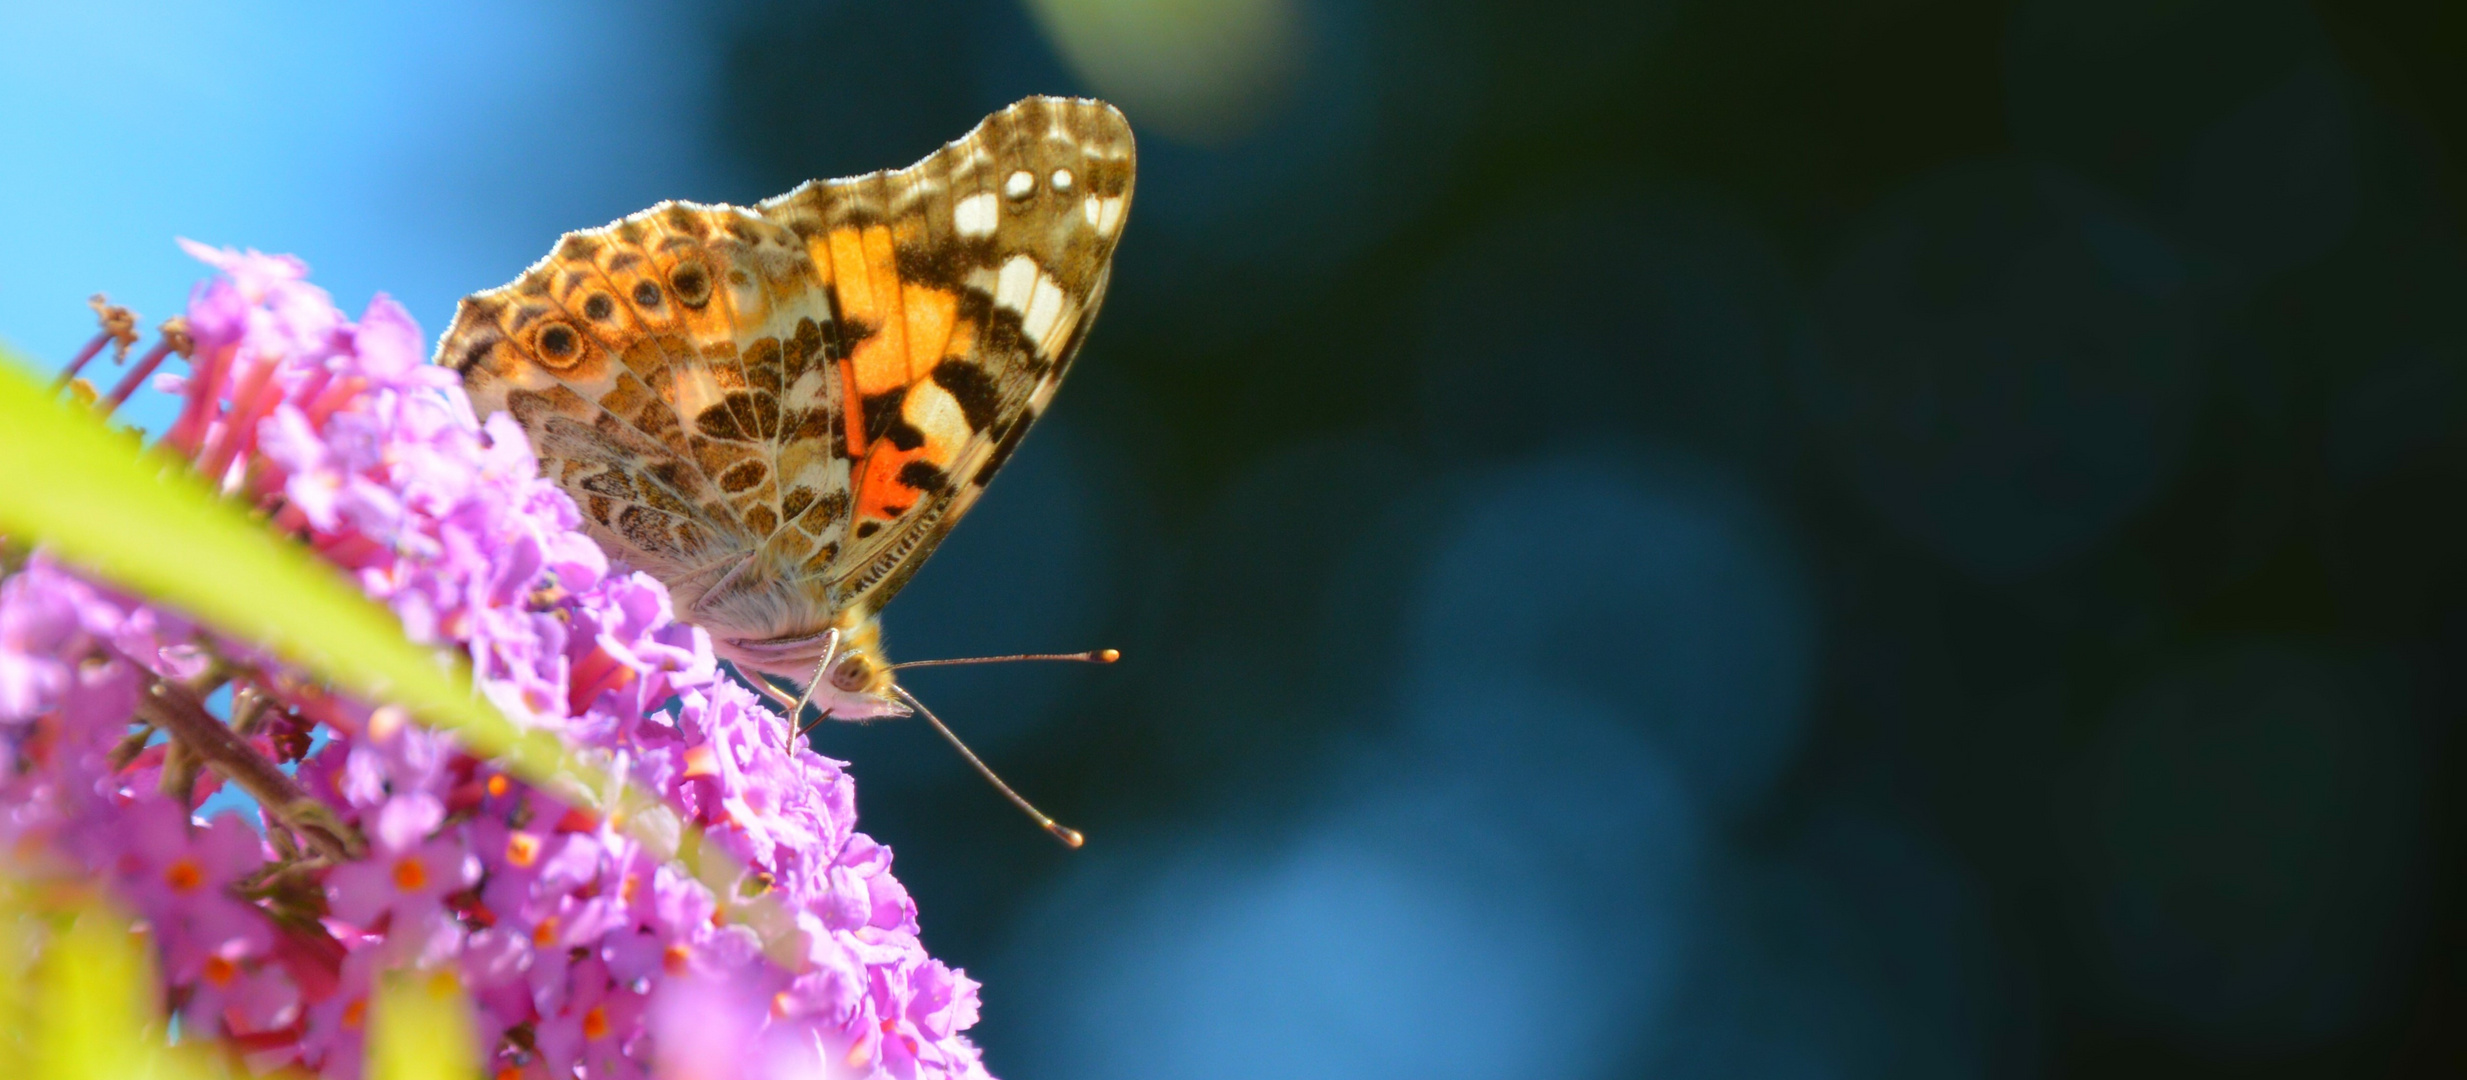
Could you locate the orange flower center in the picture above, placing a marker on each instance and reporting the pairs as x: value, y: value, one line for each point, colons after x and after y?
x: 410, y: 874
x: 700, y: 761
x: 595, y: 1023
x: 545, y: 934
x: 522, y: 849
x: 497, y: 785
x: 674, y: 958
x: 184, y: 875
x: 220, y: 970
x: 355, y: 1012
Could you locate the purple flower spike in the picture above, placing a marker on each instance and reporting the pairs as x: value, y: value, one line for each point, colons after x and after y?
x: 390, y: 847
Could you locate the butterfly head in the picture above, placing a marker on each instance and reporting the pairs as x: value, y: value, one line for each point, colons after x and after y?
x: 843, y: 664
x: 857, y: 685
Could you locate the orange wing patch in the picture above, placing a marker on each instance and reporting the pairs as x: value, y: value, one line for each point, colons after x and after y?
x: 914, y: 431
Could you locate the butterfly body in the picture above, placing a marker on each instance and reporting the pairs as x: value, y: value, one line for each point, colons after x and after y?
x: 780, y: 410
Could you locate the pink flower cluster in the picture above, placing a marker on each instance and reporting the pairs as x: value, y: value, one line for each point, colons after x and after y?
x: 582, y: 950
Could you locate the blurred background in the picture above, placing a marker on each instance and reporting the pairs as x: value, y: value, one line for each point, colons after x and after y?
x: 1767, y: 538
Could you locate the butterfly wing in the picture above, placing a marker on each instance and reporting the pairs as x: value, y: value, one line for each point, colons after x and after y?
x: 653, y: 365
x: 780, y: 411
x: 961, y: 288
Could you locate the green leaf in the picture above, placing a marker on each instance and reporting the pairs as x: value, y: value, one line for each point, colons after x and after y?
x: 94, y: 1006
x: 421, y: 1029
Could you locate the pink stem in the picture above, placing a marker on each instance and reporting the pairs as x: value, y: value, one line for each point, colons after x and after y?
x: 246, y: 402
x: 205, y: 378
x: 88, y: 353
x: 333, y: 398
x: 137, y: 375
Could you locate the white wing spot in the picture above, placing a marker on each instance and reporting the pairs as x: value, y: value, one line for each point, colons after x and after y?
x: 1089, y: 207
x: 1017, y: 284
x: 931, y: 409
x: 1044, y: 310
x: 1109, y: 215
x: 1062, y: 179
x: 1020, y: 184
x: 976, y: 214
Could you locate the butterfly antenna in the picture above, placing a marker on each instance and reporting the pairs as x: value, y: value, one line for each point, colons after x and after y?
x: 1070, y: 837
x: 1092, y: 656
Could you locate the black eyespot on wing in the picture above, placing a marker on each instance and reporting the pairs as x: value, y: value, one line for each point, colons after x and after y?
x: 559, y: 346
x: 646, y: 294
x: 692, y: 282
x: 599, y: 307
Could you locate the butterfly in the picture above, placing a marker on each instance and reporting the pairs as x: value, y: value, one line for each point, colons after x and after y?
x: 780, y: 410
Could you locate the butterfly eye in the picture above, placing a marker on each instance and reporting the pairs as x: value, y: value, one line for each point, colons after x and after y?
x: 852, y: 673
x: 646, y: 294
x: 693, y: 284
x: 559, y: 345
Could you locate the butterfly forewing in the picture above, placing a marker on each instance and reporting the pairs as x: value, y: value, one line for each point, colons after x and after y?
x: 781, y: 410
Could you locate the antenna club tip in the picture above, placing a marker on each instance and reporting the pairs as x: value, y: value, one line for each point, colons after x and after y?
x: 1071, y: 838
x: 1106, y: 656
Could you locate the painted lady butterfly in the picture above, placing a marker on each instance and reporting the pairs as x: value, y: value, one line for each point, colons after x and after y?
x: 780, y: 410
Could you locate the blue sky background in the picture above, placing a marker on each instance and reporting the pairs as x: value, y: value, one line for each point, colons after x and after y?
x: 426, y: 151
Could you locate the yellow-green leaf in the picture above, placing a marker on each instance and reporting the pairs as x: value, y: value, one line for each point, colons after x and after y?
x: 94, y: 1006
x: 421, y: 1029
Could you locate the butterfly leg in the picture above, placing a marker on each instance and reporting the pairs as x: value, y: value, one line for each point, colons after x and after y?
x: 830, y: 652
x: 767, y: 688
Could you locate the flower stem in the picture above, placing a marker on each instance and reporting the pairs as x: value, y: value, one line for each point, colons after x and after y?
x: 179, y: 710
